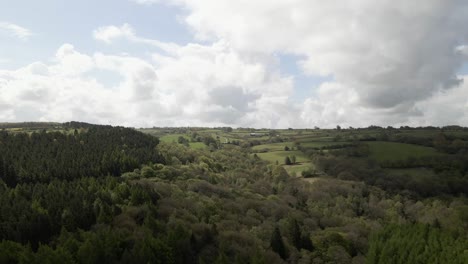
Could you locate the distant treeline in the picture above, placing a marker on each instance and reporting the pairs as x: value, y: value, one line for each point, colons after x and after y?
x: 29, y: 125
x: 450, y: 174
x: 445, y: 128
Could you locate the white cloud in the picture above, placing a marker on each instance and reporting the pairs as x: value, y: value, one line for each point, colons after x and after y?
x: 215, y: 84
x: 390, y: 54
x: 445, y: 107
x: 195, y: 85
x: 463, y: 49
x: 42, y: 92
x: 108, y: 34
x: 336, y: 104
x: 391, y: 62
x: 71, y: 62
x: 15, y: 30
x: 139, y: 76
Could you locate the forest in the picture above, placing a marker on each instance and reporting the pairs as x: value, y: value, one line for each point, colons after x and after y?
x: 83, y: 193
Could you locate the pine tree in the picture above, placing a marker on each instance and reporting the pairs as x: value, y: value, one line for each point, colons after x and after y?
x: 277, y: 244
x: 295, y: 233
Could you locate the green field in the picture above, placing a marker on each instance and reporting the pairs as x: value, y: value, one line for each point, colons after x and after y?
x: 302, y: 162
x: 319, y: 144
x: 273, y: 146
x: 297, y: 169
x: 280, y: 146
x: 392, y: 151
x: 315, y: 138
x: 172, y: 138
x: 197, y: 145
x: 274, y: 152
x: 279, y: 156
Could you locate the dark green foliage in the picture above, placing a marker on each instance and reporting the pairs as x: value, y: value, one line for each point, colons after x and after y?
x: 34, y: 213
x: 450, y: 178
x: 182, y: 140
x: 13, y: 252
x: 174, y: 204
x: 306, y: 243
x: 309, y: 173
x: 295, y: 233
x: 97, y: 151
x: 293, y: 159
x: 416, y: 244
x: 30, y: 125
x: 277, y: 244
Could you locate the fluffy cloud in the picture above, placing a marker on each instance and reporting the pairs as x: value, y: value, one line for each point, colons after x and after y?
x: 216, y: 83
x: 389, y: 62
x: 463, y: 49
x: 194, y: 85
x: 54, y: 92
x: 110, y: 33
x: 445, y: 106
x: 334, y: 104
x: 15, y: 30
x: 388, y: 54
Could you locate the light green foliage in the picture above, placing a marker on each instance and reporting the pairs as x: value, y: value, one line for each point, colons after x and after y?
x: 197, y: 145
x: 171, y: 138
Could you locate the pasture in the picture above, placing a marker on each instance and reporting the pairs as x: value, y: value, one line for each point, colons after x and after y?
x: 393, y: 151
x: 272, y: 147
x: 297, y: 169
x: 280, y: 156
x: 172, y: 138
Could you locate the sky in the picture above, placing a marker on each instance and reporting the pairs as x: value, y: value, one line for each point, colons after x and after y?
x: 245, y: 63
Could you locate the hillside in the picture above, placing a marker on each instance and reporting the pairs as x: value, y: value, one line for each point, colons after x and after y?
x: 82, y: 193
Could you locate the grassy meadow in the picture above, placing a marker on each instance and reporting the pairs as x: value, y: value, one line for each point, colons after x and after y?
x: 393, y: 151
x: 280, y: 156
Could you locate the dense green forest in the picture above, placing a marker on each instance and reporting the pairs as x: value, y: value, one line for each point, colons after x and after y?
x: 93, y: 151
x: 81, y: 193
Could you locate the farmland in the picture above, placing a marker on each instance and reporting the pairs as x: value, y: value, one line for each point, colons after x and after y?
x: 385, y: 146
x: 220, y: 193
x: 392, y: 151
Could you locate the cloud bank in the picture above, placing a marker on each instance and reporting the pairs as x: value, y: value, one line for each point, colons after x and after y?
x: 390, y: 62
x: 195, y: 85
x: 391, y: 53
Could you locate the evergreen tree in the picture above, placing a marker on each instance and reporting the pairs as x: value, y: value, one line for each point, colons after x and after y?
x: 277, y: 244
x: 295, y: 233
